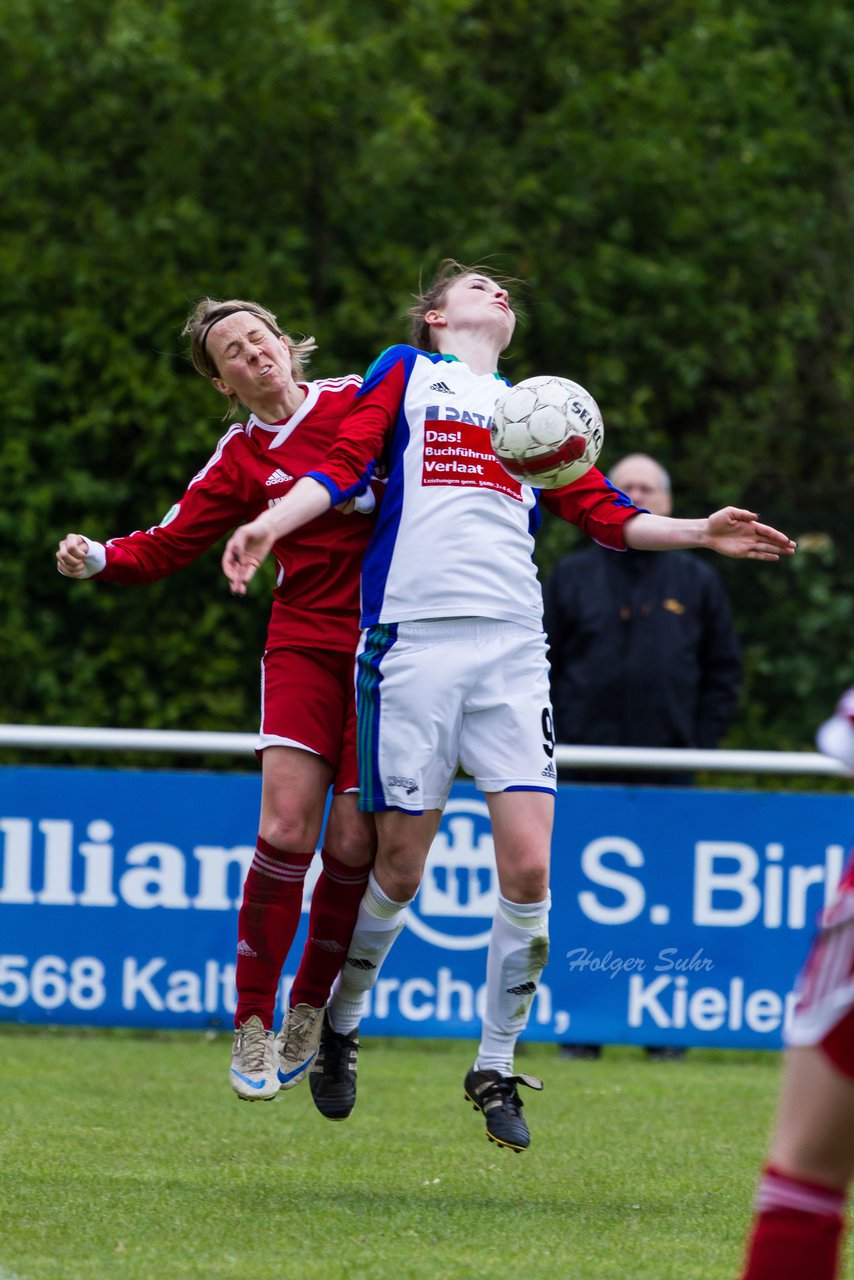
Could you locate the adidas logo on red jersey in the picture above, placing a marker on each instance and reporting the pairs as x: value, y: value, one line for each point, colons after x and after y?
x: 277, y: 477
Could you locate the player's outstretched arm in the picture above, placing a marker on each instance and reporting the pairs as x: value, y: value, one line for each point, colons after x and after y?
x: 730, y: 531
x: 249, y: 546
x: 733, y: 532
x: 76, y: 557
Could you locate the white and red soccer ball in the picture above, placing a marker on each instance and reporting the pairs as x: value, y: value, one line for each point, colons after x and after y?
x: 547, y: 431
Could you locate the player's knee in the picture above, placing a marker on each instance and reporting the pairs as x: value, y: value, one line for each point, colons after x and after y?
x: 526, y: 884
x: 352, y: 851
x: 399, y: 879
x: 352, y: 842
x: 291, y: 833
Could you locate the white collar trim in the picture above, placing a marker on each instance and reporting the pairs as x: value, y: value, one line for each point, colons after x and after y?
x: 284, y: 430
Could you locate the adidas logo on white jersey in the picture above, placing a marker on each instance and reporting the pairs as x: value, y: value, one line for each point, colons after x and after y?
x: 244, y: 949
x: 550, y: 771
x: 441, y: 386
x: 277, y: 477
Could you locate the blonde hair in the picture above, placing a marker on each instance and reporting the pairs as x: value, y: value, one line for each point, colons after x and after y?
x: 429, y: 299
x: 209, y: 311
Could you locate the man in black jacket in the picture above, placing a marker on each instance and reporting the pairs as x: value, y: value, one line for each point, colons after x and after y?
x: 642, y: 646
x: 643, y: 652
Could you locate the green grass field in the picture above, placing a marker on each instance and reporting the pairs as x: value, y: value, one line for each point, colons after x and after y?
x: 127, y: 1155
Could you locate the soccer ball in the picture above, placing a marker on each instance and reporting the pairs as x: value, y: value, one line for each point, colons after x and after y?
x: 547, y: 432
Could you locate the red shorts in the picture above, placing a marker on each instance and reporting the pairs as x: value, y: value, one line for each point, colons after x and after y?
x: 824, y: 1016
x: 308, y: 701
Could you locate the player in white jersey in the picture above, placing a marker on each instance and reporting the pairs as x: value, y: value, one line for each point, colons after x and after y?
x: 452, y: 661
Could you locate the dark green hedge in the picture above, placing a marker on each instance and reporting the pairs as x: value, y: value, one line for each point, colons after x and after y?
x: 671, y: 182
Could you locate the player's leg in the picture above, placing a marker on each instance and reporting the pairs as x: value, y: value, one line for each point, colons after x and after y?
x: 347, y: 854
x: 507, y: 744
x: 409, y: 711
x: 349, y: 844
x: 519, y: 947
x: 403, y: 842
x: 407, y: 757
x: 801, y: 1197
x: 294, y: 787
x: 798, y: 1224
x: 518, y: 951
x: 299, y: 738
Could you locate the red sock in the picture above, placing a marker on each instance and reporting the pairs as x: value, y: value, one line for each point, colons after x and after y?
x: 266, y: 924
x: 797, y: 1230
x: 334, y: 907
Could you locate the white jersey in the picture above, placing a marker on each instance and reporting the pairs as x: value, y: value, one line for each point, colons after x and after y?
x: 455, y: 534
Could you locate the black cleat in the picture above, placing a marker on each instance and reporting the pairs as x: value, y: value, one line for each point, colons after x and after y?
x: 498, y: 1098
x: 332, y: 1078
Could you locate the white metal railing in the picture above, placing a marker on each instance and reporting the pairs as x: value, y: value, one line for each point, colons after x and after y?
x: 31, y: 736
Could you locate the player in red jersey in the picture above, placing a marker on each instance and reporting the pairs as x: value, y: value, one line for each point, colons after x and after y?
x: 307, y: 739
x: 797, y: 1230
x: 452, y: 663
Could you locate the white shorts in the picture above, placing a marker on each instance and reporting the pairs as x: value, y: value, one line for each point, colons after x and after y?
x: 432, y: 696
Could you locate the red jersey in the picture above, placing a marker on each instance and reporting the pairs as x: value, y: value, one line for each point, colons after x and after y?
x: 316, y: 599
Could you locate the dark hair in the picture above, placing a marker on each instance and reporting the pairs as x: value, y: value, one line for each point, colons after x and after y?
x: 450, y: 271
x: 208, y: 312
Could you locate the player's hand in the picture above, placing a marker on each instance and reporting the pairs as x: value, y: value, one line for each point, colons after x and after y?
x: 246, y: 549
x: 71, y: 556
x: 738, y: 533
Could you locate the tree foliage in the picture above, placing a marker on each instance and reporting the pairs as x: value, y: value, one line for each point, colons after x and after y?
x: 671, y: 184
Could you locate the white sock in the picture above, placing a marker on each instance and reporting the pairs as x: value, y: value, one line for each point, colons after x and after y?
x: 378, y: 923
x: 518, y: 951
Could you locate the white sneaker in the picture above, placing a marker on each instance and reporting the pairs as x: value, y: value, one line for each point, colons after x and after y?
x: 253, y: 1062
x: 297, y: 1043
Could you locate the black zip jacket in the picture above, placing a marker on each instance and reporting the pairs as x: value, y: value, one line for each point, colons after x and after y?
x: 642, y: 649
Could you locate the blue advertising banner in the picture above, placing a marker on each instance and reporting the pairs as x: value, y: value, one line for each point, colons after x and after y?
x: 680, y: 917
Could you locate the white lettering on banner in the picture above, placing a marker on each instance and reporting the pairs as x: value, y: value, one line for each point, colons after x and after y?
x: 179, y: 991
x: 159, y: 882
x: 631, y: 889
x: 412, y: 1011
x: 41, y: 861
x: 50, y: 982
x: 157, y: 872
x: 214, y: 863
x: 98, y: 855
x: 671, y: 1006
x: 136, y: 982
x: 57, y: 863
x: 16, y: 884
x: 731, y: 888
